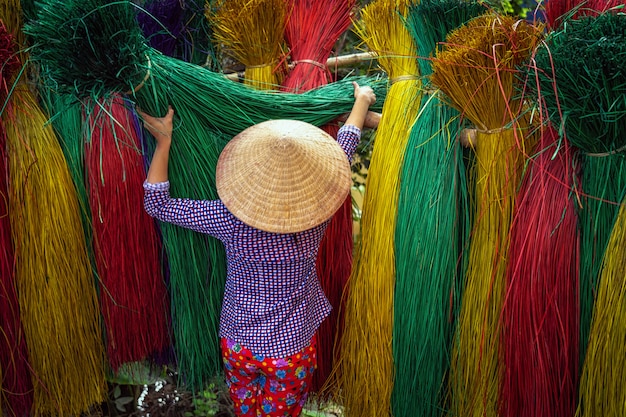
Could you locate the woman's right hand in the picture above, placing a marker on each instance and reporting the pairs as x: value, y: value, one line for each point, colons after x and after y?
x: 365, y: 92
x: 159, y: 127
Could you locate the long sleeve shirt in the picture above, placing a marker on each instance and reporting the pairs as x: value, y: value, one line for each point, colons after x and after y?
x: 273, y: 302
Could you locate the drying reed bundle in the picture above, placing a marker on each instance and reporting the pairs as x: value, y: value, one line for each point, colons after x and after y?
x: 133, y: 296
x: 557, y: 12
x: 477, y: 70
x: 11, y: 19
x: 585, y: 61
x: 15, y: 384
x: 162, y: 24
x: 209, y: 111
x: 311, y: 31
x: 179, y: 29
x: 67, y: 121
x: 252, y: 31
x: 57, y: 297
x: 602, y: 383
x: 366, y: 362
x: 430, y: 229
x: 581, y: 76
x: 540, y: 312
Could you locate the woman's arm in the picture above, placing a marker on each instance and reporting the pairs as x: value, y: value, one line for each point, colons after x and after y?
x: 364, y: 97
x: 161, y: 129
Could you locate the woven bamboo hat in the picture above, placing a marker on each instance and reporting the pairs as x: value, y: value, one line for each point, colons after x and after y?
x: 283, y: 176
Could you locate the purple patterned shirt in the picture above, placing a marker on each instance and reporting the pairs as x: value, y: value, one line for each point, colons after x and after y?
x: 273, y: 301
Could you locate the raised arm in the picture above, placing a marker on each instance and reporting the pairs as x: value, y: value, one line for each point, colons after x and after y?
x: 161, y: 129
x: 364, y: 97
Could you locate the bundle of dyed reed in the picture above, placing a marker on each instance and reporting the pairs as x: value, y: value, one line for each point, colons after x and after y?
x: 209, y: 110
x: 365, y: 385
x: 67, y: 122
x: 540, y: 312
x: 311, y: 31
x: 602, y: 383
x: 162, y: 24
x: 15, y: 384
x: 127, y: 245
x: 115, y: 58
x: 558, y: 12
x: 179, y: 29
x: 583, y: 68
x: 477, y: 71
x: 431, y: 227
x: 581, y: 73
x: 11, y: 19
x: 57, y: 297
x: 252, y: 31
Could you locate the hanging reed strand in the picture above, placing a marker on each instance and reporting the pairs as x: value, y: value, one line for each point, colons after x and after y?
x: 540, y: 313
x: 311, y: 31
x: 429, y: 236
x: 581, y: 76
x: 133, y: 296
x: 15, y: 384
x: 602, y: 383
x: 477, y: 71
x: 209, y: 111
x: 366, y: 370
x: 252, y: 31
x: 57, y: 297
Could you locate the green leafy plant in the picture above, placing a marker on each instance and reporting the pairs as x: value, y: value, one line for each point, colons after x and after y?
x: 205, y: 403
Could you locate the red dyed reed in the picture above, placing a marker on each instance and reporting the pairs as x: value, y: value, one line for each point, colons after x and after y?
x: 311, y: 32
x: 557, y: 11
x: 127, y: 247
x: 541, y: 308
x: 16, y: 395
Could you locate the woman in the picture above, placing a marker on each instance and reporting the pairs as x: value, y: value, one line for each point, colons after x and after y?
x: 279, y: 184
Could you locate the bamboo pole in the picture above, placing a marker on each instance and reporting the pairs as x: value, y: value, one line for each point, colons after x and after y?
x: 333, y: 62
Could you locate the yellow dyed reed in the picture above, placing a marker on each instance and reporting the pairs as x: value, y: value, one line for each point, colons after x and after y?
x: 56, y: 288
x: 11, y: 16
x: 477, y: 70
x: 602, y: 389
x: 365, y: 371
x: 252, y: 31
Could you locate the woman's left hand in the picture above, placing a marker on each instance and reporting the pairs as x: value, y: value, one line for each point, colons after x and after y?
x: 159, y: 127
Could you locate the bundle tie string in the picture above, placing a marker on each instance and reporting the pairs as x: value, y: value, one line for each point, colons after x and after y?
x: 492, y: 131
x: 271, y: 64
x: 603, y: 154
x: 309, y: 61
x: 404, y: 78
x: 145, y: 78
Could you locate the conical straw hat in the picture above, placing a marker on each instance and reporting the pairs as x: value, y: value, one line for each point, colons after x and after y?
x: 283, y: 176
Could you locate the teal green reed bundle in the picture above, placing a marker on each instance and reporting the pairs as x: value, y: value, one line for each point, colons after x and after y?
x: 431, y: 228
x: 586, y: 61
x: 94, y: 48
